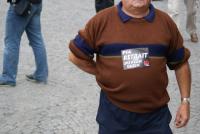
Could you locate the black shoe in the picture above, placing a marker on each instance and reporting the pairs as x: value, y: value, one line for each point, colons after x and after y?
x: 7, y: 84
x: 31, y: 78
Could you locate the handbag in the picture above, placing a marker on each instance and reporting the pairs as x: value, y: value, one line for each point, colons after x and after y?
x: 23, y: 7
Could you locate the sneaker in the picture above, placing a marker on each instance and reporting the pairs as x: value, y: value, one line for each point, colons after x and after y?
x: 31, y: 78
x: 194, y: 37
x: 7, y: 84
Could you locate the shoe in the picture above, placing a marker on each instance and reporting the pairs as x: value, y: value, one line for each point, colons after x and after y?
x: 194, y: 37
x: 31, y: 78
x: 7, y: 84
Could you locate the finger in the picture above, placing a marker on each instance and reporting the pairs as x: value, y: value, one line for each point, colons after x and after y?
x: 182, y: 122
x: 179, y: 124
x: 178, y: 118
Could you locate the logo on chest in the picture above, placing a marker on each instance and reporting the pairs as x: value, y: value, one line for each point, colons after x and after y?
x: 135, y: 58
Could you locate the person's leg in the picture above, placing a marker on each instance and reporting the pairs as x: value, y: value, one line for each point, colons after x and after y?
x: 191, y: 19
x: 156, y: 122
x: 102, y: 4
x: 173, y: 10
x: 111, y: 119
x: 33, y: 31
x: 15, y: 26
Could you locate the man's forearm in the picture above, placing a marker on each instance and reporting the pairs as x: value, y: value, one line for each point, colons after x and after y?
x: 86, y: 66
x: 183, y: 76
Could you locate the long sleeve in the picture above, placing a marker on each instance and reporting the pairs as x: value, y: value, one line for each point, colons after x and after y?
x: 83, y: 47
x: 177, y: 53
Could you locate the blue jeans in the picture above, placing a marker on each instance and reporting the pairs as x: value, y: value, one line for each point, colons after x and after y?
x: 114, y: 120
x: 15, y: 27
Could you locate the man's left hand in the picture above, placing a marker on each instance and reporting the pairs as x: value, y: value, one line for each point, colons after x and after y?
x: 182, y: 115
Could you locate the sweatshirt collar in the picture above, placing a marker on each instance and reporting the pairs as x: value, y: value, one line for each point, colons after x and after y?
x: 124, y: 17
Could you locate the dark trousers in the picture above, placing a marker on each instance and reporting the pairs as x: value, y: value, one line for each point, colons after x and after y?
x: 102, y: 4
x: 114, y: 120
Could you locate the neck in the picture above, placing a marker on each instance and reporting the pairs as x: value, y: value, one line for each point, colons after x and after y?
x: 136, y: 12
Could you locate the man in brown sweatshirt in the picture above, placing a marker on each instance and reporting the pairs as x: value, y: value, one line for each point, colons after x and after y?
x: 133, y: 43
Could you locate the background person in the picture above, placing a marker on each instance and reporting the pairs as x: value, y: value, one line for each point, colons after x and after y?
x: 16, y: 25
x: 174, y: 11
x: 102, y: 4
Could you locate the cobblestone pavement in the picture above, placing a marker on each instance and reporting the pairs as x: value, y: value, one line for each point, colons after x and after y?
x: 68, y: 104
